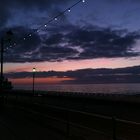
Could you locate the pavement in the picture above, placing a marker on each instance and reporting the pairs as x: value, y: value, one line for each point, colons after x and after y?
x: 15, y: 125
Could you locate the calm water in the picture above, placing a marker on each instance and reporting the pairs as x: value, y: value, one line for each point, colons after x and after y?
x: 89, y: 88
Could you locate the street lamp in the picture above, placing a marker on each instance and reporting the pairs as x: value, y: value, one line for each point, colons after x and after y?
x: 34, y: 70
x: 7, y: 37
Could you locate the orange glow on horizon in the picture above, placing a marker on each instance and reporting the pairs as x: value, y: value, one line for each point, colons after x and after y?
x: 48, y: 80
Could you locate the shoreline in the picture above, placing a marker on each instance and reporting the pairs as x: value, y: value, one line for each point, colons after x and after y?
x: 121, y: 97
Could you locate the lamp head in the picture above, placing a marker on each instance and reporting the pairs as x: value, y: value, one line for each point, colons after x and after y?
x: 34, y: 69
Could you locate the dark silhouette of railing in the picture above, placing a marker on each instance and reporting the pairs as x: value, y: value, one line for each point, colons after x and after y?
x: 74, y: 123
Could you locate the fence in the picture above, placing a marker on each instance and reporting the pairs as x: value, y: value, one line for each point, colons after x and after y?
x: 73, y: 123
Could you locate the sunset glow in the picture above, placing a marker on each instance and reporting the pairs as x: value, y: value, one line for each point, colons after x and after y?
x: 77, y: 37
x: 73, y: 65
x: 48, y: 80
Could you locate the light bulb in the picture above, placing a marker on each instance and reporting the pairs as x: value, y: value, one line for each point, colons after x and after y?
x: 34, y: 69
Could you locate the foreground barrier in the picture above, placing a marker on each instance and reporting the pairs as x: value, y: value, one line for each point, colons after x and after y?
x: 73, y: 123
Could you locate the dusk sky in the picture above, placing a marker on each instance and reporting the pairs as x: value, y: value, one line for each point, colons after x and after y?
x: 94, y: 34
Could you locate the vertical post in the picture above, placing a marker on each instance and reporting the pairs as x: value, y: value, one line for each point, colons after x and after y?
x: 33, y: 83
x: 34, y: 70
x: 8, y: 35
x: 68, y: 125
x: 2, y: 50
x: 114, y: 128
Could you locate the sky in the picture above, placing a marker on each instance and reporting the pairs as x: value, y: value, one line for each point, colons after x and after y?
x: 94, y: 34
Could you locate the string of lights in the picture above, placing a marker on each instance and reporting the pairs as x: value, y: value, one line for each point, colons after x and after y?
x: 60, y: 14
x: 55, y: 18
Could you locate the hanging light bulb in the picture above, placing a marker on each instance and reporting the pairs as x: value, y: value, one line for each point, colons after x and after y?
x: 83, y: 0
x: 55, y: 18
x: 69, y: 10
x: 45, y: 25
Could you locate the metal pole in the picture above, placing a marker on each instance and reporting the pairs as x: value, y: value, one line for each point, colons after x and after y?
x: 2, y: 50
x: 68, y: 124
x: 114, y: 128
x: 33, y: 83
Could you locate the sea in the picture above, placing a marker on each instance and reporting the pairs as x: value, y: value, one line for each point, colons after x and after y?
x: 87, y: 88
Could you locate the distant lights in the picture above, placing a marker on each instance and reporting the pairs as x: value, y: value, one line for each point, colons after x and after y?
x: 69, y: 10
x: 45, y: 25
x: 83, y: 1
x: 55, y: 19
x: 37, y: 31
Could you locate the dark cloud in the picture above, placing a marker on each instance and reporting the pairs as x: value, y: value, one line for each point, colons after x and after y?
x: 20, y: 6
x: 56, y: 53
x: 54, y: 39
x: 4, y: 15
x: 71, y: 43
x: 21, y: 50
x: 97, y: 43
x: 36, y: 48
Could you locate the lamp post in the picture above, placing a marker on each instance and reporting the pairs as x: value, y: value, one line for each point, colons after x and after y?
x: 2, y: 50
x: 7, y: 37
x: 34, y: 70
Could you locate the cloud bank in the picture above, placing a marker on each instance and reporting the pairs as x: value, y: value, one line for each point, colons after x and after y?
x: 69, y: 42
x: 87, y: 76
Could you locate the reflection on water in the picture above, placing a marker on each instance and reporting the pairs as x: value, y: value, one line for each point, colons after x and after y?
x: 88, y: 88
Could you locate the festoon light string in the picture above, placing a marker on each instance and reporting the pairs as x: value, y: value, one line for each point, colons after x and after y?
x: 55, y: 18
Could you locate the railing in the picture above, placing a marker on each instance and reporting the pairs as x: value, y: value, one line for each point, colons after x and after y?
x: 76, y: 124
